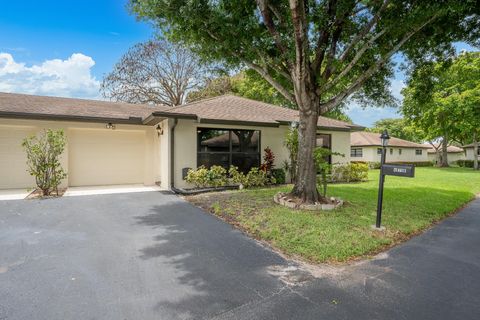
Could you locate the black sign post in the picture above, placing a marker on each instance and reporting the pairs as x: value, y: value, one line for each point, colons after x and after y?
x: 380, y: 186
x: 399, y: 170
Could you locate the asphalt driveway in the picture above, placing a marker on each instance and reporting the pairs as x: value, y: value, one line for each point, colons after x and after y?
x: 153, y: 256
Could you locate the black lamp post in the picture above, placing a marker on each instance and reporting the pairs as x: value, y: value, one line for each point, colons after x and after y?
x: 384, y: 139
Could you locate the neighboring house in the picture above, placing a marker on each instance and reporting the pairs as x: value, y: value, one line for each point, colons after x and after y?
x: 366, y: 146
x: 469, y: 151
x: 117, y: 143
x: 453, y: 154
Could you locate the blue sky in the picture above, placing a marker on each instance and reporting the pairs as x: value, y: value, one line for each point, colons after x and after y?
x: 63, y: 48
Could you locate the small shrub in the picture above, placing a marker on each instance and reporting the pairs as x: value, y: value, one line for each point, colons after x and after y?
x: 416, y: 163
x: 374, y: 165
x: 279, y: 175
x: 254, y: 178
x: 465, y: 163
x: 198, y: 177
x: 352, y: 172
x: 215, y: 177
x: 43, y: 159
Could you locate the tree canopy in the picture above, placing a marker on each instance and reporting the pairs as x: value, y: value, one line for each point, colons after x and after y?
x: 398, y: 128
x: 317, y: 53
x: 443, y: 99
x: 154, y: 72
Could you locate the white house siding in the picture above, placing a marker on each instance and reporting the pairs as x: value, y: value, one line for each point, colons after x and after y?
x: 408, y: 155
x: 93, y: 155
x: 273, y: 137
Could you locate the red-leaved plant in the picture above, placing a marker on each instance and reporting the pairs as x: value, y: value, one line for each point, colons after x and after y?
x: 268, y: 160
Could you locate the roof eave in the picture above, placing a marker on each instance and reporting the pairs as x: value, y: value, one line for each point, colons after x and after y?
x: 239, y: 122
x: 58, y: 117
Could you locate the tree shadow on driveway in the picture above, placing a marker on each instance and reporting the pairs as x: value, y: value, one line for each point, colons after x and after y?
x: 213, y: 267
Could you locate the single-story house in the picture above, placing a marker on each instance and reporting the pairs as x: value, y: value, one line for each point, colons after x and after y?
x: 112, y: 143
x: 469, y: 151
x: 453, y: 154
x: 367, y: 146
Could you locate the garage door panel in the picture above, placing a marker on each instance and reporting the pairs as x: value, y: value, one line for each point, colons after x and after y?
x: 13, y: 160
x: 101, y: 157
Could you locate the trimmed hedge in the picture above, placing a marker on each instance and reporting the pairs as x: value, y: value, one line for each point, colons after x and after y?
x: 417, y: 164
x: 465, y: 163
x: 376, y: 165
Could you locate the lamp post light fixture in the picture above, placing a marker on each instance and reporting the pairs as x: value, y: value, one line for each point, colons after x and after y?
x: 384, y: 138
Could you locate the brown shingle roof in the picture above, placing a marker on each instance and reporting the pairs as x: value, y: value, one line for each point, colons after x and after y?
x: 233, y: 108
x: 27, y: 106
x: 451, y: 149
x: 228, y: 108
x: 365, y: 139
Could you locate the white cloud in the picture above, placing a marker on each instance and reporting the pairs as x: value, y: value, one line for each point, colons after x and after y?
x: 66, y: 78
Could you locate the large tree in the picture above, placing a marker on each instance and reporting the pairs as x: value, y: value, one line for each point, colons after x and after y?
x: 154, y: 72
x: 316, y: 53
x: 443, y: 100
x: 398, y: 128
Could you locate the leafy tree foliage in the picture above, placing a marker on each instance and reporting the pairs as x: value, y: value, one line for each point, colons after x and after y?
x: 43, y: 159
x: 154, y: 72
x: 317, y: 53
x: 398, y: 128
x: 443, y: 100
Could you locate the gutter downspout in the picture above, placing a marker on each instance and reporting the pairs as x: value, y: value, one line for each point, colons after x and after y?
x: 172, y: 154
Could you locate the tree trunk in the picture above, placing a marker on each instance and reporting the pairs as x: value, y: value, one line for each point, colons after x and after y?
x: 305, y: 186
x: 475, y: 152
x: 444, y: 162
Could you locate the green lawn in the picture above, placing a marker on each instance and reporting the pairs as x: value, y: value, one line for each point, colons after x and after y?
x: 410, y: 206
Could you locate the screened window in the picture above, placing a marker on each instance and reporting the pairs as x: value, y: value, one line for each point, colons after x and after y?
x: 379, y: 151
x: 418, y: 152
x: 391, y: 150
x: 225, y: 147
x: 356, y: 152
x: 399, y: 151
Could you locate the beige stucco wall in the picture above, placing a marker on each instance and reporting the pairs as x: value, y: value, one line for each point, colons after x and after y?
x: 273, y: 137
x: 469, y: 154
x: 110, y: 153
x: 452, y: 156
x: 408, y: 155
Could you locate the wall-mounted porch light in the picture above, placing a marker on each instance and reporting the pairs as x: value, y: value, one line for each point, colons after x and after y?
x: 159, y: 130
x: 110, y: 126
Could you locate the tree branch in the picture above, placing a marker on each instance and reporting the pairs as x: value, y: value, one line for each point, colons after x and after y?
x: 264, y: 73
x: 263, y: 5
x: 366, y: 29
x: 335, y: 101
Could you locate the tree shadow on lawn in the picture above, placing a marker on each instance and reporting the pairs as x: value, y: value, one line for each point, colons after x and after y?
x: 214, y: 267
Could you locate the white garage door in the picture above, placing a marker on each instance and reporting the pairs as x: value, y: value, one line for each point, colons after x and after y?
x: 106, y: 157
x: 13, y: 168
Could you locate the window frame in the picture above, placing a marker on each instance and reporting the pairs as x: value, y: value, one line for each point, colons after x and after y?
x: 230, y: 153
x: 356, y: 155
x: 418, y: 152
